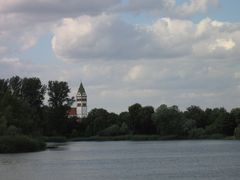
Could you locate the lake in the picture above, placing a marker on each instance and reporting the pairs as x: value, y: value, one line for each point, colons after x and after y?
x: 133, y: 160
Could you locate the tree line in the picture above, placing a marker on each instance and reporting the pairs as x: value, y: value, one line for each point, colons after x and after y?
x: 23, y: 111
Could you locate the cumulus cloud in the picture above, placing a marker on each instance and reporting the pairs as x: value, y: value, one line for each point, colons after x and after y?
x: 56, y: 7
x: 108, y: 37
x: 191, y: 7
x: 168, y: 60
x: 25, y: 21
x: 135, y: 73
x: 167, y: 7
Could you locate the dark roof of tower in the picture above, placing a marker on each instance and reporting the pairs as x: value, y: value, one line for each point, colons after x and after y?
x: 81, y: 89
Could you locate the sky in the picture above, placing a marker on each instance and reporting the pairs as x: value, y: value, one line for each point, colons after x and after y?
x: 152, y: 52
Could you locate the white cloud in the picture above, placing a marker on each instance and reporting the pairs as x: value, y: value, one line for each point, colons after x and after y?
x: 108, y: 37
x: 226, y: 44
x: 193, y: 6
x: 23, y: 22
x: 169, y: 60
x: 167, y: 7
x: 28, y: 42
x: 135, y: 73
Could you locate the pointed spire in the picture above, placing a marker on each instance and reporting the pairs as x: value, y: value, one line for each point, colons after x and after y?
x: 81, y: 90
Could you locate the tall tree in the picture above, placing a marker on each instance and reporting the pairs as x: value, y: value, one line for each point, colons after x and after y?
x: 168, y: 120
x: 33, y: 91
x: 58, y: 101
x: 4, y: 87
x: 197, y: 114
x: 134, y: 111
x: 58, y: 93
x: 15, y: 85
x: 146, y: 122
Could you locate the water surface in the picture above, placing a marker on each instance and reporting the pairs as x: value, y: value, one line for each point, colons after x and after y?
x: 141, y: 160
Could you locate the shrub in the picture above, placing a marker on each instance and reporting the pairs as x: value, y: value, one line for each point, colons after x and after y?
x: 197, y: 133
x: 110, y: 131
x: 19, y: 144
x: 237, y: 132
x: 57, y: 139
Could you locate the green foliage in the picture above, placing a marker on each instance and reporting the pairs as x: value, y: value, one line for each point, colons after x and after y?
x: 124, y: 117
x: 33, y: 91
x: 15, y: 86
x: 235, y: 115
x: 98, y: 120
x: 57, y: 139
x: 58, y: 93
x: 197, y: 133
x: 168, y: 120
x: 237, y: 132
x: 146, y: 125
x: 113, y: 130
x: 13, y: 144
x: 134, y: 112
x: 124, y: 129
x: 22, y: 113
x: 12, y: 131
x: 140, y: 119
x: 58, y: 102
x: 222, y: 122
x: 3, y: 125
x: 197, y: 114
x: 188, y: 125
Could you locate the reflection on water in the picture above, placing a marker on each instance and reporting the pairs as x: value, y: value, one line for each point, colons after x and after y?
x: 127, y: 160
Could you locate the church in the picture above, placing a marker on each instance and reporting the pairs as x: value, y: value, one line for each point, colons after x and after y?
x: 79, y: 106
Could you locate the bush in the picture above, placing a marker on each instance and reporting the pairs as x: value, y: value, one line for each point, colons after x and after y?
x: 57, y: 139
x: 113, y: 130
x: 216, y: 136
x: 197, y: 133
x: 19, y: 144
x: 237, y: 132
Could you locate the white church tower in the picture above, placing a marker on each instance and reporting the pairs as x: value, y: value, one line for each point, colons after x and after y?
x: 81, y: 102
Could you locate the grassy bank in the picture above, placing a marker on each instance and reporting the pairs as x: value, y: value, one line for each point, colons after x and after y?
x: 145, y: 138
x: 55, y: 139
x: 125, y: 137
x: 20, y: 144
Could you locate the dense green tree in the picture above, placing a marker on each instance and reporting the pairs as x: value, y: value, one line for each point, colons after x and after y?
x: 15, y: 86
x: 58, y: 93
x: 168, y: 120
x: 134, y: 112
x: 188, y: 126
x: 3, y: 125
x: 4, y: 87
x: 124, y: 129
x: 237, y: 132
x: 100, y: 119
x: 112, y: 130
x: 146, y: 125
x: 17, y: 113
x: 124, y: 117
x: 235, y: 115
x: 33, y: 91
x: 197, y: 133
x: 22, y: 112
x: 58, y: 102
x: 197, y: 114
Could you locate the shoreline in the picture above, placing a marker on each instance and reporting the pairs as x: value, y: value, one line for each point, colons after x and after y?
x: 144, y: 138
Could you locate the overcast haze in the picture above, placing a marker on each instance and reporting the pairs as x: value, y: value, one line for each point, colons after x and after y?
x: 176, y: 52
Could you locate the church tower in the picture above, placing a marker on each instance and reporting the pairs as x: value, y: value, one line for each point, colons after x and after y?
x: 81, y: 102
